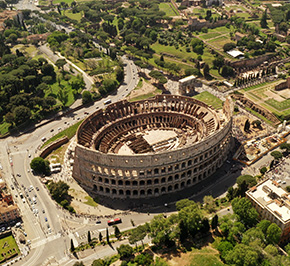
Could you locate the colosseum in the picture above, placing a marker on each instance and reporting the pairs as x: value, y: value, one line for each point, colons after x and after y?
x: 148, y: 148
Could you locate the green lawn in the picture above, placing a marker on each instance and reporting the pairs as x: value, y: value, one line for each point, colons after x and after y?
x: 279, y: 105
x: 209, y: 35
x: 209, y: 99
x: 4, y: 128
x: 219, y: 42
x: 145, y: 96
x: 205, y: 260
x: 169, y: 9
x: 90, y: 202
x: 8, y: 247
x: 69, y: 132
x: 75, y: 16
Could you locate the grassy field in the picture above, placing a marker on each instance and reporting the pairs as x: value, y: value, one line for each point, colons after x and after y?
x: 69, y: 132
x: 90, y: 202
x: 219, y: 42
x: 8, y: 247
x: 209, y: 35
x: 279, y: 105
x: 209, y: 99
x: 75, y: 16
x: 4, y: 128
x: 169, y: 9
x: 145, y: 96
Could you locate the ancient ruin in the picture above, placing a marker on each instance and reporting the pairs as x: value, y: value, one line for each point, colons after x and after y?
x: 152, y: 147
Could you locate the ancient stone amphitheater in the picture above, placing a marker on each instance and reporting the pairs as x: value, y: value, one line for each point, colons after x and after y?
x: 152, y: 147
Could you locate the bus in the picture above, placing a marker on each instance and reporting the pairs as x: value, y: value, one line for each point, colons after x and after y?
x: 115, y: 221
x: 107, y: 101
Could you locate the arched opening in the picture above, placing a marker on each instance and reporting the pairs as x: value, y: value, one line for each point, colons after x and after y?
x: 95, y: 188
x: 170, y: 178
x: 135, y: 183
x: 149, y: 192
x: 169, y: 188
x: 114, y: 191
x: 188, y: 182
x: 163, y: 180
x: 120, y: 183
x: 156, y: 191
x: 128, y: 192
x: 182, y: 184
x: 121, y: 192
x: 142, y: 183
x: 106, y: 180
x: 127, y: 183
x: 113, y: 181
x: 135, y: 192
x: 156, y: 181
x: 176, y: 186
x: 176, y: 177
x: 163, y: 190
x: 101, y: 188
x: 100, y: 179
x: 107, y: 190
x: 142, y: 192
x: 189, y: 173
x: 149, y: 182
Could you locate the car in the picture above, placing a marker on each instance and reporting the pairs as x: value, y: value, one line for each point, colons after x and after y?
x: 78, y: 118
x: 98, y: 222
x: 12, y: 187
x: 24, y: 234
x: 86, y: 113
x: 43, y: 138
x: 59, y: 128
x: 29, y: 155
x: 43, y: 211
x: 31, y: 187
x: 51, y: 130
x: 48, y: 226
x: 37, y: 188
x: 284, y: 182
x: 45, y: 219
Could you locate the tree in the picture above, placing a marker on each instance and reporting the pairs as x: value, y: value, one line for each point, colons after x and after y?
x: 206, y: 70
x: 250, y: 180
x: 79, y: 263
x: 277, y: 155
x: 21, y: 114
x: 125, y: 251
x: 209, y: 203
x: 9, y: 118
x: 227, y: 71
x: 224, y: 247
x: 89, y: 237
x: 288, y: 188
x: 117, y: 232
x: 263, y: 21
x: 99, y: 262
x: 254, y: 235
x: 86, y: 97
x: 60, y: 63
x: 137, y: 234
x: 263, y: 170
x: 197, y: 46
x: 285, y: 146
x: 247, y: 126
x: 245, y: 211
x: 273, y: 234
x: 144, y: 259
x: 58, y: 190
x: 72, y: 247
x: 242, y: 255
x: 263, y: 225
x: 214, y: 222
x: 229, y: 46
x: 40, y: 166
x: 184, y: 203
x: 100, y: 237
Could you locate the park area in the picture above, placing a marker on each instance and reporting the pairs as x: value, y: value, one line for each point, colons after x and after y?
x: 8, y: 248
x: 264, y: 94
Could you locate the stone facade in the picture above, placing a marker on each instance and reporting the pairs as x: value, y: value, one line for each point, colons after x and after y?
x: 186, y: 85
x: 195, y: 23
x: 151, y: 173
x: 283, y: 85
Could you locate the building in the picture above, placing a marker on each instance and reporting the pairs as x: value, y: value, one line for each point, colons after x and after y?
x: 152, y: 147
x: 8, y: 210
x: 236, y: 54
x: 283, y: 85
x: 273, y: 204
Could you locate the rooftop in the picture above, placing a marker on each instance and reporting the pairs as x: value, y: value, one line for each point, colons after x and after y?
x: 235, y: 53
x: 274, y: 198
x: 187, y: 78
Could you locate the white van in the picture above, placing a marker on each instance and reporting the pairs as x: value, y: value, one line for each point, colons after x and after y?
x: 34, y: 200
